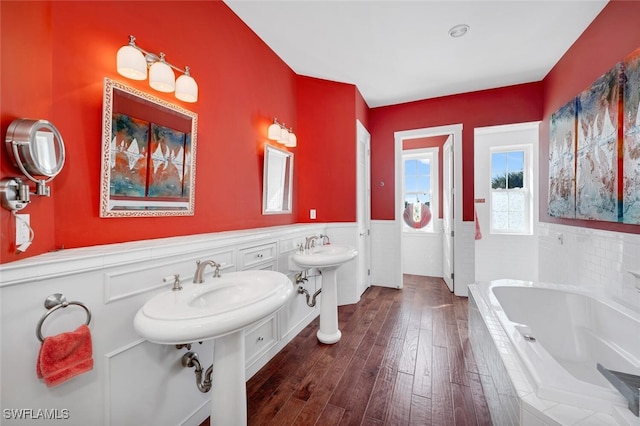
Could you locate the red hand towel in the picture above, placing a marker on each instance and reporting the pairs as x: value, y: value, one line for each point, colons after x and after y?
x: 478, y: 232
x: 65, y: 356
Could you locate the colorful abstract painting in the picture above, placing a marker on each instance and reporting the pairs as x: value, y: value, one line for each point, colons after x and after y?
x: 562, y: 165
x: 631, y: 139
x: 148, y: 161
x: 129, y: 141
x: 166, y: 174
x: 597, y: 149
x: 186, y: 190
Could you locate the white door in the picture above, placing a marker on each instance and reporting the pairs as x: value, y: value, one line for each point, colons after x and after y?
x: 447, y: 214
x: 363, y: 208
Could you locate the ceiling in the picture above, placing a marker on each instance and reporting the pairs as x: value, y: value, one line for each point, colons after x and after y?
x: 400, y: 51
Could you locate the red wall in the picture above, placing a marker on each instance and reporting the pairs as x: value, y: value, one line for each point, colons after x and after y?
x: 514, y: 104
x: 55, y: 56
x: 362, y: 109
x: 327, y: 161
x: 55, y: 71
x: 25, y: 91
x: 614, y: 34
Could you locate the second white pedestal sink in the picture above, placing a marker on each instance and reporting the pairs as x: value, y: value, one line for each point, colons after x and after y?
x: 220, y: 309
x: 327, y: 258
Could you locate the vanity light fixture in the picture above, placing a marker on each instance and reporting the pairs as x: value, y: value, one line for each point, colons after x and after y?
x: 133, y: 62
x: 279, y: 132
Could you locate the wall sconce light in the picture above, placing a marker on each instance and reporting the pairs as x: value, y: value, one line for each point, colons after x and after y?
x: 279, y: 132
x: 133, y: 62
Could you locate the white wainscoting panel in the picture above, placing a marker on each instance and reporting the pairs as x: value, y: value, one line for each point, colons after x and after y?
x: 384, y: 269
x: 133, y: 381
x: 464, y: 261
x: 347, y: 234
x: 141, y: 366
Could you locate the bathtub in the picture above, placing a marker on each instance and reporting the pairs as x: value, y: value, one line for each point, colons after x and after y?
x: 559, y: 334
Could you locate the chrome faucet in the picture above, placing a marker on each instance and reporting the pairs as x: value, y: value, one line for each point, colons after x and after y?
x: 198, y: 278
x: 310, y: 242
x: 325, y: 239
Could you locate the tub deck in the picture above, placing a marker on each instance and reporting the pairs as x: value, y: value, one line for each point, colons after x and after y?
x: 535, y: 387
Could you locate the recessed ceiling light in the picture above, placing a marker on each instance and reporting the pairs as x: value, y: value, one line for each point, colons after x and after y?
x: 458, y: 30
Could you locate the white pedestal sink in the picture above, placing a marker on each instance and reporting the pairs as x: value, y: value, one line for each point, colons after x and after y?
x: 220, y: 309
x: 327, y: 258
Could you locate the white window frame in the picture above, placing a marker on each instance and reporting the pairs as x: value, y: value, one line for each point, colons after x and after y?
x: 432, y: 153
x: 527, y: 189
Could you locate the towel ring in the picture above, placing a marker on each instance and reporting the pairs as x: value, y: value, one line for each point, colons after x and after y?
x: 53, y: 303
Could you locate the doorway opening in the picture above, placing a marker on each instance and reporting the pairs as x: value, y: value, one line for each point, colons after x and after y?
x: 429, y: 252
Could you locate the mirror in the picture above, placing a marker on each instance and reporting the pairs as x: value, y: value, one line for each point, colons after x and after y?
x: 148, y: 155
x: 35, y: 147
x: 277, y: 181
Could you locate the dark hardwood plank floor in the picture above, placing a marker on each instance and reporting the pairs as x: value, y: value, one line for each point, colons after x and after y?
x: 404, y: 359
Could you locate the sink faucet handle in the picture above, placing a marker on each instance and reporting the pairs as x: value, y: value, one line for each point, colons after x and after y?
x: 176, y: 281
x: 216, y: 272
x: 310, y: 242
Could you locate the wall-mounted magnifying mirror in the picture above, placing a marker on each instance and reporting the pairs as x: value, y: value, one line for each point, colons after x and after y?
x: 36, y: 148
x: 277, y: 181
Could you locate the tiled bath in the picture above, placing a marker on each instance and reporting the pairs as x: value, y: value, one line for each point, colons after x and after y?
x: 510, y: 397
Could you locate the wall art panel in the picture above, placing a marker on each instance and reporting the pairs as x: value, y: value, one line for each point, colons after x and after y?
x: 597, y: 149
x: 562, y: 162
x: 631, y: 139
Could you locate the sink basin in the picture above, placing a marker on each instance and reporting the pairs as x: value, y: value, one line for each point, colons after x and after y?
x: 326, y: 256
x: 217, y: 307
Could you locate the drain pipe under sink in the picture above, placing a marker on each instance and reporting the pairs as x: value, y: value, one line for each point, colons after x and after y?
x: 300, y: 278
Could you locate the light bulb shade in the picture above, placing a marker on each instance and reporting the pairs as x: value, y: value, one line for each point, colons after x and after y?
x: 186, y: 88
x: 161, y: 77
x: 274, y: 132
x: 284, y: 136
x: 293, y: 140
x: 131, y: 63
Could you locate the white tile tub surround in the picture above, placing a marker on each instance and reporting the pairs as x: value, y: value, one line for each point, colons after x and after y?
x: 506, y: 381
x: 133, y: 381
x: 593, y: 258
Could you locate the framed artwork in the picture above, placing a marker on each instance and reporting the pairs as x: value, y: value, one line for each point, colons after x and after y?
x: 562, y: 162
x: 597, y: 149
x: 631, y: 139
x: 148, y: 155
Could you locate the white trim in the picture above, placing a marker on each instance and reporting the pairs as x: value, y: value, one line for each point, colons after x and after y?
x: 399, y: 136
x: 517, y: 127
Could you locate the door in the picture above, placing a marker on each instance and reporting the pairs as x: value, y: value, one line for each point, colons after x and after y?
x: 363, y: 208
x: 447, y: 214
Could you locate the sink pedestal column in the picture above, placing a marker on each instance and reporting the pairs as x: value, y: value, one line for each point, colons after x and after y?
x: 329, y: 332
x: 228, y: 387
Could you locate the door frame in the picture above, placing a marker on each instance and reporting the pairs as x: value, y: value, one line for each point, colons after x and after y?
x: 448, y: 243
x: 363, y: 209
x: 455, y: 130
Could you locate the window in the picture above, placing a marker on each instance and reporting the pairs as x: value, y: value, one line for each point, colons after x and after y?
x: 510, y: 190
x: 420, y: 189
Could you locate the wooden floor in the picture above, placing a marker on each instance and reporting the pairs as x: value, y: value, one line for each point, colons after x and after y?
x: 404, y: 359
